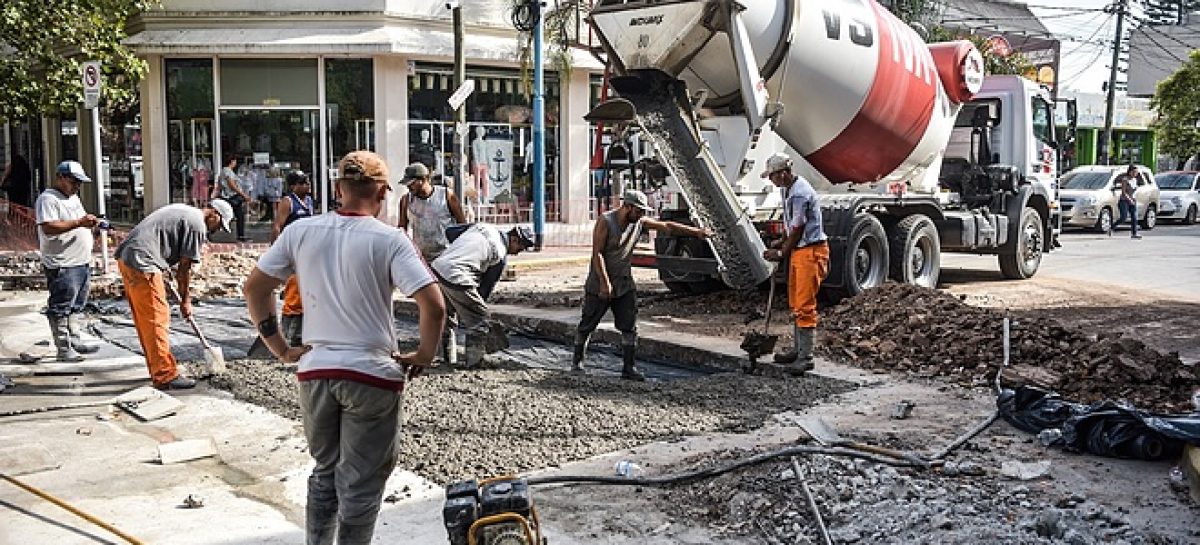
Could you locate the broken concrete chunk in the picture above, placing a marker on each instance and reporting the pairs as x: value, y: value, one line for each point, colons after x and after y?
x: 186, y: 451
x: 1025, y: 471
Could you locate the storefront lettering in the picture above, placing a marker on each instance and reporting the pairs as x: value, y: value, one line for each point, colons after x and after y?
x: 646, y: 20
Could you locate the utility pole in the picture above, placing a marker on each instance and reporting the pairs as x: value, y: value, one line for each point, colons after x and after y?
x: 460, y: 114
x: 1122, y: 7
x: 539, y: 130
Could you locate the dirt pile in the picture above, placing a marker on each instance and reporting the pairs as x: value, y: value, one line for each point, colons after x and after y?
x: 866, y: 503
x: 929, y: 333
x: 20, y: 263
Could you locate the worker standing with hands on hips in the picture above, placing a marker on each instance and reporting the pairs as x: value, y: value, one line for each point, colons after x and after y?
x: 351, y: 378
x: 65, y: 237
x: 173, y: 234
x: 806, y: 252
x: 609, y: 283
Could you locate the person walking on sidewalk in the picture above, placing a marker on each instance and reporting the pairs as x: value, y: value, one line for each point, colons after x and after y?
x: 609, y: 282
x: 66, y: 241
x: 297, y: 204
x: 229, y: 188
x: 806, y: 253
x: 350, y: 376
x: 429, y: 209
x: 1127, y: 185
x: 467, y: 272
x: 172, y: 235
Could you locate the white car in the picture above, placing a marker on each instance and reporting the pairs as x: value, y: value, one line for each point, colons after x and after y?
x: 1089, y: 195
x: 1180, y: 196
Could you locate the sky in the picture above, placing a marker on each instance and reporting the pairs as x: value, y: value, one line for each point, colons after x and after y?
x: 1085, y: 59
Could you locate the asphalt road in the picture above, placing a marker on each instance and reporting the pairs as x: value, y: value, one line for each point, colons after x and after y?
x: 1164, y: 263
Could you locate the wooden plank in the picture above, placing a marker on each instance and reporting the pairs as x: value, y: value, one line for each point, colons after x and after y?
x: 26, y: 459
x: 186, y: 451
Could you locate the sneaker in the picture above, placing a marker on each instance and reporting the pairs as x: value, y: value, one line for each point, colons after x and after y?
x: 1136, y: 237
x: 180, y: 382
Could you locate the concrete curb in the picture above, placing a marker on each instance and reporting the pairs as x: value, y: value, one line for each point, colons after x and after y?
x: 704, y: 354
x: 83, y: 367
x: 549, y: 263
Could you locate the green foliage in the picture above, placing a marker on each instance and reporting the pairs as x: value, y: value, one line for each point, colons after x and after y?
x: 44, y: 43
x: 1177, y: 101
x: 1012, y: 64
x: 918, y: 13
x: 557, y: 33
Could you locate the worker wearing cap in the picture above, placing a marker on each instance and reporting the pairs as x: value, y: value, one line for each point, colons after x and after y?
x: 172, y: 235
x: 609, y: 282
x: 806, y: 253
x: 297, y: 204
x: 350, y: 376
x: 429, y: 210
x: 468, y: 271
x: 65, y: 238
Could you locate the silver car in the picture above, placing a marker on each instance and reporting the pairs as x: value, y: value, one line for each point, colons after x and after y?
x: 1089, y: 196
x: 1180, y: 197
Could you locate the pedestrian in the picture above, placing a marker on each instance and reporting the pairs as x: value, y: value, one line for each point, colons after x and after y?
x: 610, y: 283
x: 66, y: 240
x: 297, y: 204
x: 172, y: 235
x: 429, y: 210
x: 468, y: 271
x: 17, y: 182
x: 1127, y: 184
x: 350, y: 376
x: 806, y: 253
x: 229, y: 188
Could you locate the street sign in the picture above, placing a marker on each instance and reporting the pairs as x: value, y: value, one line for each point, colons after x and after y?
x: 460, y: 95
x: 92, y: 82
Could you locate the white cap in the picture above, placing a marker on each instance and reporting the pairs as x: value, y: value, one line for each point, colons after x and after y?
x: 224, y: 210
x: 74, y: 170
x: 776, y: 163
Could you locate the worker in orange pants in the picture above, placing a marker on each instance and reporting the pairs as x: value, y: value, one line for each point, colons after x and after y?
x: 807, y: 253
x: 293, y: 312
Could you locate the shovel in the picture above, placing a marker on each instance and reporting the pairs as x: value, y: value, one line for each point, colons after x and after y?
x: 823, y: 433
x: 759, y: 344
x: 213, y: 356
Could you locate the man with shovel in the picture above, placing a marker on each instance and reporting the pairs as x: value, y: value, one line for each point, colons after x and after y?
x: 806, y: 252
x: 171, y: 235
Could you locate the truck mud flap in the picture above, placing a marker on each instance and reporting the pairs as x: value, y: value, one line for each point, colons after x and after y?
x: 663, y: 112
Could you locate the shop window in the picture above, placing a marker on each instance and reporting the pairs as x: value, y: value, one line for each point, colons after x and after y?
x: 350, y: 99
x: 268, y: 82
x: 190, y: 136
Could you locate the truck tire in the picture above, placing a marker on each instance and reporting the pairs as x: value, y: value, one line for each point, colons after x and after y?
x: 1026, y: 257
x: 866, y: 255
x: 915, y: 251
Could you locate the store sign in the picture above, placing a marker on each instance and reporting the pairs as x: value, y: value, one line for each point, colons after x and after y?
x: 92, y: 82
x: 460, y: 95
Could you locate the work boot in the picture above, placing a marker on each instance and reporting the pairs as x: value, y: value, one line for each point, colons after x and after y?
x: 62, y: 339
x: 75, y: 330
x: 629, y: 356
x: 320, y: 523
x: 180, y: 382
x: 581, y: 343
x: 804, y: 347
x: 355, y: 534
x: 474, y: 353
x: 789, y: 354
x: 449, y: 346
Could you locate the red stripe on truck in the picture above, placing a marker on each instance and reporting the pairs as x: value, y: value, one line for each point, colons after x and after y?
x: 895, y: 114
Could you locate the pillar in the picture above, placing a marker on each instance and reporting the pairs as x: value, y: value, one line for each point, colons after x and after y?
x: 575, y: 147
x: 155, y: 160
x: 391, y: 125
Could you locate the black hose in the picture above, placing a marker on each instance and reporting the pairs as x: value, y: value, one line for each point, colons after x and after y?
x: 717, y: 471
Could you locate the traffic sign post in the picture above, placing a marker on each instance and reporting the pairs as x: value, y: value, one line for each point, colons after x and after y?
x: 93, y: 81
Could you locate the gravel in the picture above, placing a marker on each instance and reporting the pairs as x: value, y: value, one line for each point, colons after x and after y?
x: 467, y: 424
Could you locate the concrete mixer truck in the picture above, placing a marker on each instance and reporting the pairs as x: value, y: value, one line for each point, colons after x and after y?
x: 914, y: 150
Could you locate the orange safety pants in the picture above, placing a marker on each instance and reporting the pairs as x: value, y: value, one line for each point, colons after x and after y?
x: 147, y: 297
x: 292, y: 305
x: 806, y: 270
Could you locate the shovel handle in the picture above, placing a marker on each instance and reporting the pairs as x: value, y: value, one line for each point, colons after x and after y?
x: 170, y: 282
x: 770, y: 300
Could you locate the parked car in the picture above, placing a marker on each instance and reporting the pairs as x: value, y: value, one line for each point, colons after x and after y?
x: 1180, y: 196
x: 1089, y: 194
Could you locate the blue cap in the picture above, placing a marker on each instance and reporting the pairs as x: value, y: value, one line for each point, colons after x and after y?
x: 74, y: 170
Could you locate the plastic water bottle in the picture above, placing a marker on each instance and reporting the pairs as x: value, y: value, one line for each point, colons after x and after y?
x: 1050, y: 436
x: 626, y: 468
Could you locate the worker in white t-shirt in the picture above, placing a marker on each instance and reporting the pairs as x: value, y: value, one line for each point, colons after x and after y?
x: 351, y: 376
x: 65, y: 239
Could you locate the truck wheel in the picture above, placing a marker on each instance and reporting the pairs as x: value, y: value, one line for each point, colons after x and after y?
x: 1151, y: 218
x: 866, y: 255
x: 1024, y: 261
x: 916, y: 252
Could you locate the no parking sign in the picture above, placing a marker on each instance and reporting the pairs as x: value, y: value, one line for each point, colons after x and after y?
x: 92, y: 82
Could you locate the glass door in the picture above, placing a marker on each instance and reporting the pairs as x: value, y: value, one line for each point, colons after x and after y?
x: 271, y: 143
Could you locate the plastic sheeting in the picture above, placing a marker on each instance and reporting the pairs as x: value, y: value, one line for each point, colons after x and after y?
x: 1108, y: 428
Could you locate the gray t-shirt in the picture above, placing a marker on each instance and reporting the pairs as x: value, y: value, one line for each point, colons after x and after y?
x: 72, y: 248
x: 167, y: 235
x: 473, y: 252
x: 802, y: 210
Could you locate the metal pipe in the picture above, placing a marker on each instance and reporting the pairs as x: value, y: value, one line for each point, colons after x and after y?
x: 539, y: 130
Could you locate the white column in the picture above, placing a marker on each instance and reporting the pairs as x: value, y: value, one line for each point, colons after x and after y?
x: 155, y: 159
x: 391, y: 125
x: 575, y: 147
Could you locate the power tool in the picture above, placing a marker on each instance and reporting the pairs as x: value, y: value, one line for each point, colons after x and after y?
x: 496, y: 511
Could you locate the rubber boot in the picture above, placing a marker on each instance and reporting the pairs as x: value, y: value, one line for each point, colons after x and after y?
x: 581, y: 343
x: 320, y: 524
x: 789, y: 354
x: 355, y: 534
x: 62, y: 340
x: 804, y: 347
x: 449, y: 346
x: 474, y: 352
x: 75, y: 329
x: 629, y: 357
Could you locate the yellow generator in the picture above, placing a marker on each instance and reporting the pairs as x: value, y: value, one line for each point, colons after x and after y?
x: 497, y: 511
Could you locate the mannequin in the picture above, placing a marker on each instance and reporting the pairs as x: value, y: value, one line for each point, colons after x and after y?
x: 423, y: 151
x: 479, y: 162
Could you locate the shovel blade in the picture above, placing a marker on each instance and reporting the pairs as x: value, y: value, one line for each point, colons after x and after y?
x: 215, y: 358
x: 758, y: 344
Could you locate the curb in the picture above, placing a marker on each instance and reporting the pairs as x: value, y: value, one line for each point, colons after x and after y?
x: 548, y: 263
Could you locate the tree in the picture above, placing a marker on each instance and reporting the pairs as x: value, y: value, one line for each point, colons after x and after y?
x: 1177, y: 101
x: 43, y: 46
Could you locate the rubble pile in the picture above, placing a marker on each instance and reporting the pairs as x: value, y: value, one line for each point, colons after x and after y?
x: 220, y: 274
x: 863, y: 502
x: 20, y: 263
x: 925, y: 332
